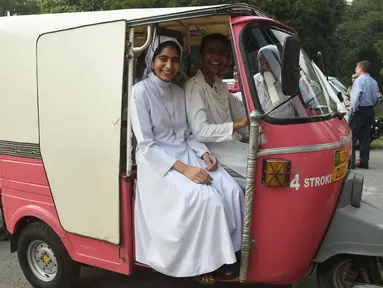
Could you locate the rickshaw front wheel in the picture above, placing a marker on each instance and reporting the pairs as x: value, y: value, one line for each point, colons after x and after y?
x: 337, y: 273
x: 44, y: 259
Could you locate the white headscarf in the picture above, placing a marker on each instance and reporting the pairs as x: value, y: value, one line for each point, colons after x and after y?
x: 269, y: 85
x: 152, y: 48
x: 273, y: 58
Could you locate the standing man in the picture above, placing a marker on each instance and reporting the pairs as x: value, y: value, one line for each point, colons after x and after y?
x: 364, y: 95
x: 347, y: 100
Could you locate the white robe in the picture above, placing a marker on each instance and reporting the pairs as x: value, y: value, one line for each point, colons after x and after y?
x: 182, y: 229
x: 211, y: 113
x: 270, y: 95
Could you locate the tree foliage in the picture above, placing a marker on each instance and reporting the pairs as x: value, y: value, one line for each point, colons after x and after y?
x: 18, y: 7
x: 360, y: 37
x: 62, y: 6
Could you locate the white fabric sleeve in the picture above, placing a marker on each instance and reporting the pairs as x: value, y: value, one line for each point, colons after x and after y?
x: 197, y: 112
x: 160, y: 161
x: 237, y: 114
x: 198, y: 147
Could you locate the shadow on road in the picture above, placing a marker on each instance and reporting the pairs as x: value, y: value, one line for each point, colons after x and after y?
x: 143, y: 277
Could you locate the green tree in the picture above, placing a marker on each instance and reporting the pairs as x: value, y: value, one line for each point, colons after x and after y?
x: 359, y: 38
x: 314, y: 20
x: 18, y: 7
x: 62, y: 6
x: 379, y: 49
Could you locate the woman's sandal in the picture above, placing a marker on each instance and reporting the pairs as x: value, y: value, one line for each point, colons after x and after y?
x: 226, y: 272
x: 206, y: 279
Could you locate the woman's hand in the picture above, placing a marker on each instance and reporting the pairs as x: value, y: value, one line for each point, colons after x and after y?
x: 241, y: 124
x: 210, y: 161
x: 198, y: 175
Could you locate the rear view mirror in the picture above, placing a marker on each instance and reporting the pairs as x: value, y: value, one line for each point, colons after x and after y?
x: 320, y: 58
x: 290, y: 66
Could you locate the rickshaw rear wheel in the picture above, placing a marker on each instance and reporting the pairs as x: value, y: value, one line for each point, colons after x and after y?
x: 44, y: 259
x: 4, y: 234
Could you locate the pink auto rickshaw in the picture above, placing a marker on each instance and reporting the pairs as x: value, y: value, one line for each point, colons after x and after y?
x: 67, y: 168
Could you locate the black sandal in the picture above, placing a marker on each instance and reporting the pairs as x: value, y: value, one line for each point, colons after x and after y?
x: 226, y: 272
x: 205, y: 279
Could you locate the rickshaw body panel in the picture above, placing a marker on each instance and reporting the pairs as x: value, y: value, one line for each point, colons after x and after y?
x: 26, y: 194
x: 355, y: 231
x: 37, y: 176
x: 289, y: 223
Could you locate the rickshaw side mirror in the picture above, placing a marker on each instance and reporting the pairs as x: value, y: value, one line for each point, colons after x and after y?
x: 290, y: 66
x: 340, y: 97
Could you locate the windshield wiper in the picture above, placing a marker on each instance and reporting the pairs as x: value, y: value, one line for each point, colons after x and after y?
x: 279, y: 105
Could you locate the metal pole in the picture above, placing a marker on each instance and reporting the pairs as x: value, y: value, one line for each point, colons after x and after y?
x: 130, y: 80
x: 255, y: 123
x: 129, y: 132
x: 149, y: 36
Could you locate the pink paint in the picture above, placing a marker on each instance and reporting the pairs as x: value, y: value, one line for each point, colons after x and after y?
x: 288, y: 225
x: 25, y: 193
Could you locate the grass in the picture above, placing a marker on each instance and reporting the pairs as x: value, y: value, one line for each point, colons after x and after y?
x: 378, y: 144
x: 378, y: 110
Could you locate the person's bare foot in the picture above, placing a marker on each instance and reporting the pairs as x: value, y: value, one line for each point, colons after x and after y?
x: 206, y: 279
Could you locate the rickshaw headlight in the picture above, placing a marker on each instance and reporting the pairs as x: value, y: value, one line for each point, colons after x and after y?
x: 276, y: 172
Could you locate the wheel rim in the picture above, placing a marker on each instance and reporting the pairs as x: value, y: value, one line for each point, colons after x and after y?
x: 340, y: 275
x: 42, y: 261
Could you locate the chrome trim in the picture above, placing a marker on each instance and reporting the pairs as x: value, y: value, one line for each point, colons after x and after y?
x: 255, y: 123
x: 19, y: 149
x: 307, y: 148
x: 149, y: 37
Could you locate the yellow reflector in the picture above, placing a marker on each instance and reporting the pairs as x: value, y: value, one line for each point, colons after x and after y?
x: 276, y: 172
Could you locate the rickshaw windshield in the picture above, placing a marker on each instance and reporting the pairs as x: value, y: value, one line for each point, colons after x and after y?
x: 339, y: 84
x: 262, y: 48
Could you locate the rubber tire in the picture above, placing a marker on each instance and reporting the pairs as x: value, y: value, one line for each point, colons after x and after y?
x: 4, y: 234
x: 357, y: 190
x: 68, y: 272
x: 326, y: 272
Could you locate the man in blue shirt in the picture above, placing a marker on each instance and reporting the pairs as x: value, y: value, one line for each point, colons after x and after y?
x: 363, y: 98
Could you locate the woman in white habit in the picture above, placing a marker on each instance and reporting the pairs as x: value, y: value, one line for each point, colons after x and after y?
x: 188, y: 210
x: 214, y: 115
x: 269, y: 85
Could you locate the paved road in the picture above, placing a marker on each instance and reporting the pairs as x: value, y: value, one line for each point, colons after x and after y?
x: 11, y: 276
x: 373, y: 179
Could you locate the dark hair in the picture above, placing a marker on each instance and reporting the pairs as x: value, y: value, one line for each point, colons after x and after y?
x: 166, y: 44
x: 213, y: 37
x: 365, y: 66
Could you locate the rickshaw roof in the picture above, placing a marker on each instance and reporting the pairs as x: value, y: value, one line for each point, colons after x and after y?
x: 35, y: 25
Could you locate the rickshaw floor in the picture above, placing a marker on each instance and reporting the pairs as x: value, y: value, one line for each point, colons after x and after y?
x: 144, y: 277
